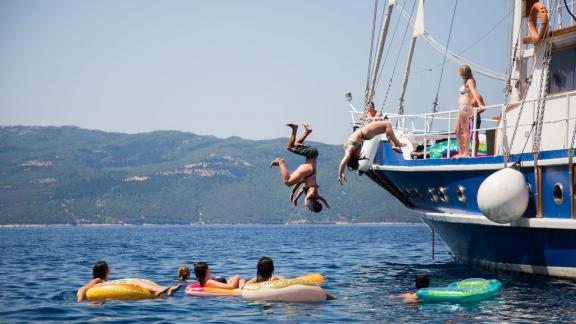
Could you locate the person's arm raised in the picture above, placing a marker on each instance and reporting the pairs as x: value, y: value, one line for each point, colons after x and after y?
x: 342, y: 167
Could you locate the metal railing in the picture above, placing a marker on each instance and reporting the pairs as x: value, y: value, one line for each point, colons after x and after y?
x: 560, y: 15
x: 429, y: 128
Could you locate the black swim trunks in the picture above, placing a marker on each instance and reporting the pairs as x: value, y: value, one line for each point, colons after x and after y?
x: 307, y: 151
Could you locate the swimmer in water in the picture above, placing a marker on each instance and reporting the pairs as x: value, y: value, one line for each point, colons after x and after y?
x: 265, y: 271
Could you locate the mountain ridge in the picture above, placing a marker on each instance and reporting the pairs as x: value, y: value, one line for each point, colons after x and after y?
x: 70, y: 175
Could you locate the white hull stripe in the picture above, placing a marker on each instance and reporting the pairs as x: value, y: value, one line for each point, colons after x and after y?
x: 561, y: 272
x: 466, y: 167
x: 556, y: 223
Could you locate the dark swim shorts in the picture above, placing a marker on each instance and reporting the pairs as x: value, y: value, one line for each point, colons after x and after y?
x: 307, y: 151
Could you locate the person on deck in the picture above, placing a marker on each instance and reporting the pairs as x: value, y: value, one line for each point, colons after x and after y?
x: 353, y: 145
x: 305, y: 174
x: 371, y: 113
x: 470, y: 104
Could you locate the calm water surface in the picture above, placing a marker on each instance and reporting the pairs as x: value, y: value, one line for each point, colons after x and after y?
x: 41, y: 268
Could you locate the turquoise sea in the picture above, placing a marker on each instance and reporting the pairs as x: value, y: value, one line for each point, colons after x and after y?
x: 41, y: 268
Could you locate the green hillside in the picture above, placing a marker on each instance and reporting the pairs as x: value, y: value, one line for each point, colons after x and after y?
x: 68, y: 175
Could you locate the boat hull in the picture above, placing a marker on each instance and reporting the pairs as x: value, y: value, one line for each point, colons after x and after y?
x: 543, y: 247
x: 542, y: 242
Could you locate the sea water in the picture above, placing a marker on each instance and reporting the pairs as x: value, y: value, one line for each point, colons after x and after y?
x: 364, y: 265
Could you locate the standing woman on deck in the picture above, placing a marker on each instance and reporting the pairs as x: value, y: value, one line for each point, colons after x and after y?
x: 470, y: 103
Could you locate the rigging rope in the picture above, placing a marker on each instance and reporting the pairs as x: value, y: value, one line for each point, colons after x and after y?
x: 435, y: 108
x: 470, y: 46
x: 371, y: 50
x: 453, y: 56
x: 568, y: 9
x: 398, y: 56
x: 386, y: 57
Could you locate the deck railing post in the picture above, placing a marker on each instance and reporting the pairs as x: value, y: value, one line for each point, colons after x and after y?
x: 425, y: 135
x: 474, y: 130
x: 449, y: 133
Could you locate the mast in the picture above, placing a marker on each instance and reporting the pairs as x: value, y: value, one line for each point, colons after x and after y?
x: 380, y: 50
x: 516, y: 50
x: 418, y: 30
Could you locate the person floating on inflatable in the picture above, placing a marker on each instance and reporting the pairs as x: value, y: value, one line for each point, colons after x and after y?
x: 204, y: 277
x: 353, y: 145
x: 101, y: 272
x: 265, y: 271
x: 305, y: 173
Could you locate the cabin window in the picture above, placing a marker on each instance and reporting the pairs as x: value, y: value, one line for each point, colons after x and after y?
x: 563, y: 71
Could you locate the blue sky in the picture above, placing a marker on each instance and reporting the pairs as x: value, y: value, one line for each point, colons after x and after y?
x: 224, y: 68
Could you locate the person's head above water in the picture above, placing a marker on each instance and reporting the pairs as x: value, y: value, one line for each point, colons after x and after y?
x: 101, y: 270
x: 264, y: 269
x: 421, y: 281
x: 202, y: 272
x: 183, y: 273
x: 314, y: 205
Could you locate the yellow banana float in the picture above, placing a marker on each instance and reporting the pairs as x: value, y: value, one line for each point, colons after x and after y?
x: 124, y: 289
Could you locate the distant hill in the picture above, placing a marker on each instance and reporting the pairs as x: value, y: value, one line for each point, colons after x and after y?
x: 68, y: 175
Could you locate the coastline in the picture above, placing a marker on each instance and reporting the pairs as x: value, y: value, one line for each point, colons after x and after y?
x: 206, y: 225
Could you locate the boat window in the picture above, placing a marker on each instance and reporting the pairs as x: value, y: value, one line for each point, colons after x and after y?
x: 563, y: 71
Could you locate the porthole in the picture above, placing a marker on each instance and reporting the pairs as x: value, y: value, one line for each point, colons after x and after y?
x: 442, y: 192
x: 417, y: 193
x: 432, y: 195
x: 406, y: 193
x: 461, y: 193
x: 558, y: 193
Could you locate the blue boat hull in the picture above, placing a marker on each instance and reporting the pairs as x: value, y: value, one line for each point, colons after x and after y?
x: 543, y: 242
x: 524, y: 248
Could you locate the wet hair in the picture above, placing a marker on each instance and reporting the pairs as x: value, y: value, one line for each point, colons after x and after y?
x: 100, y: 270
x: 371, y: 103
x: 353, y: 163
x: 316, y: 206
x: 264, y: 269
x: 421, y: 281
x: 200, y: 272
x: 466, y: 72
x: 183, y: 273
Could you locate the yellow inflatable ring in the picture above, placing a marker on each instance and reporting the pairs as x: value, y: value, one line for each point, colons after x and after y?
x: 119, y: 290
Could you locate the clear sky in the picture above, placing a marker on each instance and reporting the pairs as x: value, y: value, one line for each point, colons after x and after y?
x: 225, y: 68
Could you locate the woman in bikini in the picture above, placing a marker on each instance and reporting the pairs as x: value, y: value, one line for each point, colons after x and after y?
x: 469, y: 103
x: 353, y: 145
x: 305, y: 173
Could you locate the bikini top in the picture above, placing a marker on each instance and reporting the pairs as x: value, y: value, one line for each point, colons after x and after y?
x: 463, y: 89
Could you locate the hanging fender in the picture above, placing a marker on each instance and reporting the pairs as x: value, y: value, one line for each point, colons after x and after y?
x: 538, y: 9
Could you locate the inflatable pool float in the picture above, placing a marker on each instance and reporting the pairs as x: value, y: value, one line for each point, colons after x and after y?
x: 287, y: 290
x: 462, y: 291
x: 440, y: 150
x: 123, y: 289
x: 197, y: 290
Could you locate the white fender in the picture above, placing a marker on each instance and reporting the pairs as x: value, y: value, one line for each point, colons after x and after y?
x: 503, y: 196
x: 369, y: 149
